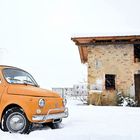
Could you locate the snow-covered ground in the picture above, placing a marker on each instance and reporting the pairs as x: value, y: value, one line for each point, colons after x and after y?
x: 89, y: 123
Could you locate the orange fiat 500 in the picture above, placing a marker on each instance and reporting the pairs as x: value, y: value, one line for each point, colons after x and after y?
x: 23, y: 102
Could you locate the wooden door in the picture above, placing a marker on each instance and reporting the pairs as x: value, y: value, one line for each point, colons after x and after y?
x: 137, y: 87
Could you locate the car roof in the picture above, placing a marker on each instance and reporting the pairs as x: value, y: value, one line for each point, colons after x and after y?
x: 6, y: 66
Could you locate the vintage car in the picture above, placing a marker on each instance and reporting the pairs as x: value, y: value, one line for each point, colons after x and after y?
x: 23, y: 103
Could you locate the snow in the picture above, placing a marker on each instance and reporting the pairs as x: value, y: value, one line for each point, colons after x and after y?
x: 88, y: 122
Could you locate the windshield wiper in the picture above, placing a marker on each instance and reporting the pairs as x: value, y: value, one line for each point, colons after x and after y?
x: 17, y: 81
x: 26, y: 82
x: 12, y: 80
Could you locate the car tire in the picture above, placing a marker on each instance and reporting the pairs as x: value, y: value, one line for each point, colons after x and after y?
x: 15, y: 121
x: 54, y: 125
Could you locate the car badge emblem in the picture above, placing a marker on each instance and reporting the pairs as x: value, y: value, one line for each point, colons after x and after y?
x: 56, y: 105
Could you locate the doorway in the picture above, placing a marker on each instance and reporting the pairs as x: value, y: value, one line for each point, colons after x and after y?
x: 137, y: 87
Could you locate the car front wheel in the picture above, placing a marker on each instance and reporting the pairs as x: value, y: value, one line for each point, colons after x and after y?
x: 15, y: 121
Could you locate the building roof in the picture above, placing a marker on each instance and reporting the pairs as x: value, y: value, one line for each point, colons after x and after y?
x: 84, y: 42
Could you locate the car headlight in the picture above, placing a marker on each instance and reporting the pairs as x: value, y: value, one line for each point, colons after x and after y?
x: 64, y: 101
x: 41, y: 102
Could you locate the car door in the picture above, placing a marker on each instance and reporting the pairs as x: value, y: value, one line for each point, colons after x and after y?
x: 1, y: 86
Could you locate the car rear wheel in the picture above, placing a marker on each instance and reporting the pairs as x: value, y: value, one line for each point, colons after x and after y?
x: 15, y: 121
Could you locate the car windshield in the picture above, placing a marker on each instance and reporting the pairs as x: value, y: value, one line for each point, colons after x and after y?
x: 18, y: 76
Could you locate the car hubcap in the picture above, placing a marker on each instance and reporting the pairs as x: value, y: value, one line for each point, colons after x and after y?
x: 16, y: 122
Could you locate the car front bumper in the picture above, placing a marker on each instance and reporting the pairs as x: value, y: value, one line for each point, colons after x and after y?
x: 51, y: 116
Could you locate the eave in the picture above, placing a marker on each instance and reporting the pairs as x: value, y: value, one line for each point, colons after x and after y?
x: 84, y: 42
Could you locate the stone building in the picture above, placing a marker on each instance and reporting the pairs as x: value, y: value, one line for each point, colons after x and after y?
x: 113, y: 66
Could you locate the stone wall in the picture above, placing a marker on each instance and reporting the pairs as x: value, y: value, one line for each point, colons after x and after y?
x: 112, y: 59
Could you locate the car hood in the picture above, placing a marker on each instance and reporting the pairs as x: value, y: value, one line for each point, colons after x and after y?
x: 27, y: 90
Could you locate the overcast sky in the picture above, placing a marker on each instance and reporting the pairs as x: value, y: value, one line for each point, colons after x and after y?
x: 36, y: 34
